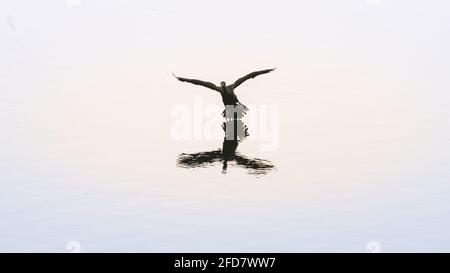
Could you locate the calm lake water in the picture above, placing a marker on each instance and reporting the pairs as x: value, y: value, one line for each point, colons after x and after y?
x: 359, y: 149
x: 336, y: 185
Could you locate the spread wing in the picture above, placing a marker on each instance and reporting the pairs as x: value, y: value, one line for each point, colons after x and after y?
x: 198, y: 82
x: 251, y: 76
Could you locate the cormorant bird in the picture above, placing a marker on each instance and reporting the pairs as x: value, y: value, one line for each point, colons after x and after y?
x: 227, y: 91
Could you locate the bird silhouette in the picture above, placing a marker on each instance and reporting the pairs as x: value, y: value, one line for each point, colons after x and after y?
x: 227, y: 91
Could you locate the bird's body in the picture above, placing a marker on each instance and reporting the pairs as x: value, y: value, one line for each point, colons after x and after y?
x: 228, y: 95
x: 227, y: 91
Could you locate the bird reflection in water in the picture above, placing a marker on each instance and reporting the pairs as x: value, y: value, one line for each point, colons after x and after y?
x: 228, y: 154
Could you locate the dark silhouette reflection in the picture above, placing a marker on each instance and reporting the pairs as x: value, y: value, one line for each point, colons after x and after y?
x: 233, y: 136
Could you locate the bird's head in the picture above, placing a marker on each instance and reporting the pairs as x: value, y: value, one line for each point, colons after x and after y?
x: 223, y: 84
